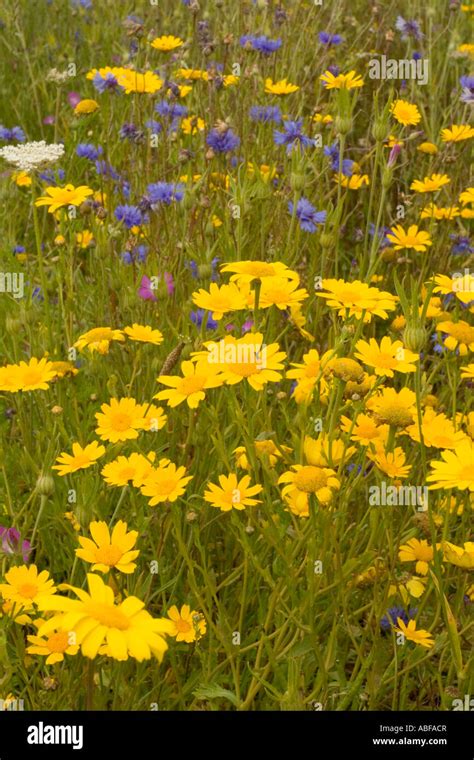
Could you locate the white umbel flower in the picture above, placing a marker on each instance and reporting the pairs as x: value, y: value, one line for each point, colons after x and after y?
x: 31, y: 155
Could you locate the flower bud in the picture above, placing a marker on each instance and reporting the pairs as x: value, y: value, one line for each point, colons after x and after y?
x: 297, y: 181
x: 414, y: 337
x: 343, y: 124
x: 380, y: 130
x: 45, y: 485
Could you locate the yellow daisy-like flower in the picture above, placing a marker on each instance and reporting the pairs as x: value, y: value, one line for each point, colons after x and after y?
x: 21, y: 179
x: 265, y: 450
x: 386, y: 357
x: 282, y: 87
x: 165, y: 483
x: 417, y: 551
x: 432, y: 211
x: 192, y: 125
x: 307, y: 480
x: 391, y: 463
x: 232, y: 493
x: 188, y: 625
x: 197, y: 378
x: 54, y: 646
x: 33, y: 375
x: 411, y: 633
x: 467, y: 372
x: 365, y: 430
x: 457, y: 133
x: 438, y: 431
x: 121, y: 420
x: 80, y: 459
x: 102, y: 627
x: 413, y: 238
x: 144, y: 334
x: 430, y: 184
x: 98, y: 339
x: 458, y: 555
x: 166, y: 42
x: 357, y: 299
x: 405, y: 113
x: 134, y: 81
x: 462, y: 285
x: 86, y: 106
x: 246, y: 272
x: 84, y: 239
x: 456, y: 470
x: 467, y: 196
x: 134, y: 468
x: 57, y: 197
x: 354, y: 182
x: 428, y: 147
x: 348, y: 81
x: 459, y: 335
x: 280, y: 292
x: 390, y: 407
x: 326, y: 452
x: 222, y: 299
x: 25, y: 588
x: 107, y: 551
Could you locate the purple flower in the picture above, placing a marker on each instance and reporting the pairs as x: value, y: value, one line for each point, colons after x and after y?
x: 102, y: 84
x: 467, y: 84
x: 265, y: 114
x: 104, y: 169
x: 86, y: 150
x: 197, y: 317
x: 330, y: 39
x: 408, y: 28
x: 292, y: 136
x: 391, y: 617
x: 222, y: 141
x: 307, y: 215
x: 129, y: 131
x: 261, y: 43
x: 462, y: 244
x: 136, y: 255
x: 15, y: 134
x: 171, y: 110
x: 332, y: 152
x: 12, y: 543
x: 164, y: 192
x: 131, y: 216
x: 145, y: 290
x: 73, y: 98
x: 52, y: 177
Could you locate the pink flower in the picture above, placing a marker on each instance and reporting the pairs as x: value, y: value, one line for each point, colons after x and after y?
x: 145, y: 290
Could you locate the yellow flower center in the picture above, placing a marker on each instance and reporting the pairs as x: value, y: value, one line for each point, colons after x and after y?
x: 310, y: 479
x: 393, y: 414
x: 28, y: 590
x: 107, y: 615
x: 58, y: 642
x: 259, y: 268
x: 182, y: 626
x: 191, y: 384
x: 244, y: 369
x: 108, y: 555
x: 32, y: 376
x: 462, y: 333
x: 120, y: 421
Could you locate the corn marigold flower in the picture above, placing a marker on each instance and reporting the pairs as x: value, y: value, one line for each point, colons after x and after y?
x: 456, y: 470
x: 326, y: 452
x: 457, y: 555
x: 457, y: 133
x: 134, y: 81
x: 265, y: 451
x: 166, y: 42
x: 86, y: 106
x: 32, y: 375
x: 282, y: 87
x: 419, y: 552
x: 280, y: 292
x: 57, y: 197
x: 25, y: 587
x: 165, y: 483
x: 467, y: 196
x: 144, y: 334
x: 357, y: 299
x: 458, y: 336
x: 462, y: 285
x: 428, y: 147
x: 405, y: 113
x: 107, y: 550
x: 354, y: 182
x: 192, y: 125
x: 220, y: 300
x: 348, y: 81
x: 21, y: 179
x: 391, y: 463
x: 417, y: 635
x: 134, y: 468
x: 432, y: 211
x: 365, y: 430
x: 468, y: 371
x: 188, y: 625
x: 393, y: 408
x: 413, y: 238
x: 307, y: 480
x: 80, y: 459
x: 386, y: 357
x: 430, y: 184
x: 53, y: 646
x: 121, y: 420
x: 197, y: 378
x: 246, y: 272
x: 98, y: 339
x: 232, y: 493
x: 119, y: 631
x: 438, y: 431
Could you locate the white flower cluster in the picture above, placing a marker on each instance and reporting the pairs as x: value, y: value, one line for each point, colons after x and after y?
x: 31, y: 155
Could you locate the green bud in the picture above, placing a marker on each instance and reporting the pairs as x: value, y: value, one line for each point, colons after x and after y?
x: 327, y: 240
x: 343, y: 124
x: 380, y: 130
x: 414, y: 337
x: 387, y: 177
x: 45, y: 485
x: 12, y: 324
x: 297, y: 181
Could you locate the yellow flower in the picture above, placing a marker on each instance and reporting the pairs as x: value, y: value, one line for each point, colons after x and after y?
x: 102, y: 627
x: 246, y: 272
x: 165, y: 483
x: 53, y: 647
x: 391, y: 463
x: 468, y: 371
x: 386, y: 357
x: 144, y: 334
x: 309, y: 479
x: 232, y: 493
x: 430, y: 184
x: 393, y: 408
x: 106, y: 551
x: 25, y: 587
x: 324, y: 452
x: 30, y: 376
x: 221, y: 300
x: 411, y: 633
x: 135, y: 468
x: 467, y: 196
x: 456, y: 470
x: 462, y: 285
x: 134, y: 81
x: 282, y: 87
x: 21, y: 179
x: 365, y: 430
x: 166, y: 42
x: 428, y: 147
x: 280, y: 292
x: 80, y: 459
x: 192, y: 74
x: 188, y: 625
x: 459, y: 556
x: 413, y: 238
x: 86, y: 106
x: 197, y: 378
x: 341, y: 81
x: 98, y: 339
x: 466, y: 49
x: 417, y: 551
x: 83, y: 239
x: 438, y: 431
x: 357, y: 299
x: 192, y: 125
x: 457, y: 132
x: 432, y: 211
x: 265, y: 450
x: 121, y: 420
x: 354, y: 182
x: 405, y: 113
x: 460, y: 336
x: 57, y: 197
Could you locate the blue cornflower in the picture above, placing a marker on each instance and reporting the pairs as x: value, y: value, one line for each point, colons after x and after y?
x: 137, y: 254
x: 462, y: 244
x: 106, y: 170
x: 330, y: 39
x: 86, y: 150
x: 381, y: 234
x: 15, y: 134
x: 129, y: 131
x: 222, y: 141
x: 171, y: 110
x: 154, y: 126
x: 332, y: 152
x: 131, y: 216
x: 164, y: 192
x: 266, y: 114
x: 307, y: 215
x: 102, y: 84
x: 260, y: 43
x: 408, y: 28
x: 292, y: 136
x: 467, y: 84
x: 438, y: 347
x: 391, y: 617
x: 197, y: 317
x: 52, y: 177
